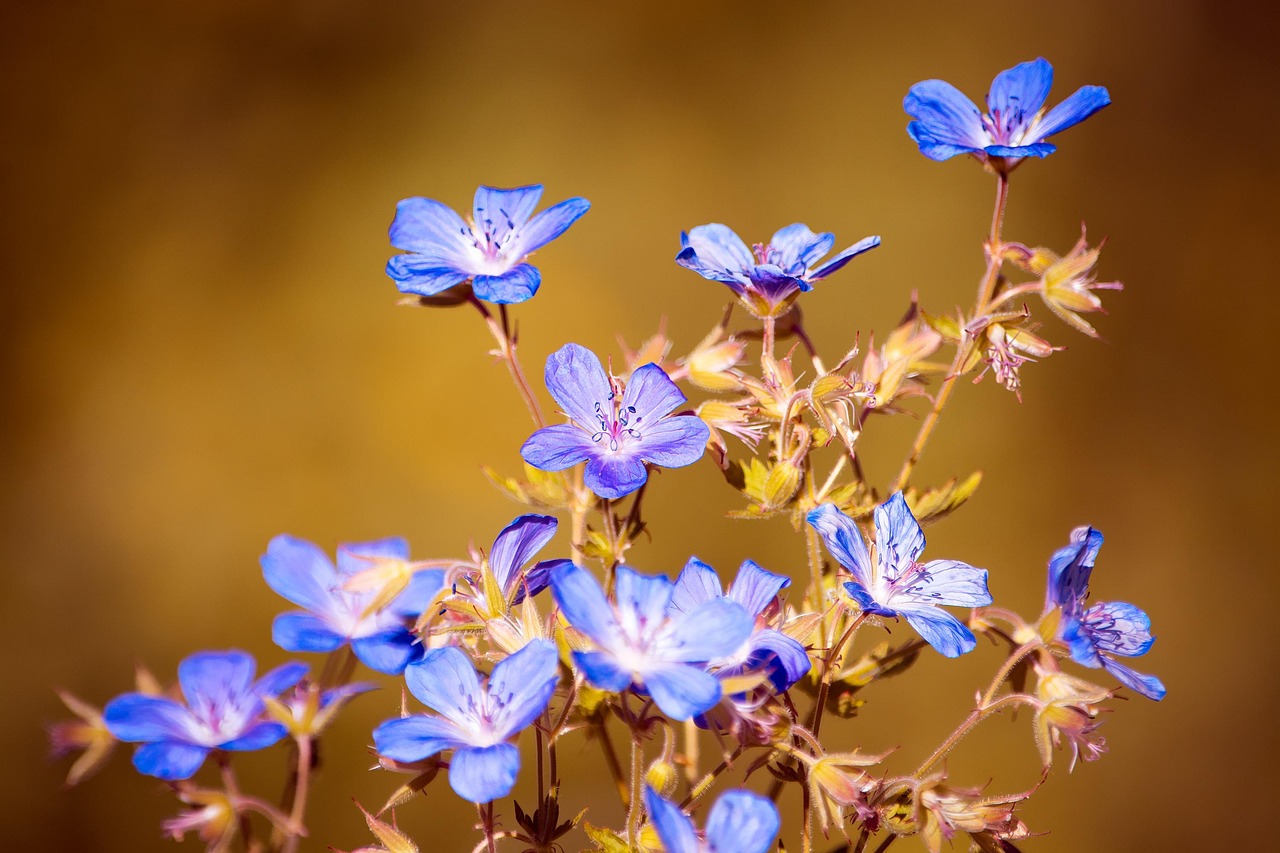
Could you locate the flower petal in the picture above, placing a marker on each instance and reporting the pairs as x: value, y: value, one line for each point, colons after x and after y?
x: 138, y: 717
x: 280, y: 679
x: 521, y: 686
x: 697, y: 584
x: 781, y: 657
x: 866, y: 601
x: 674, y: 442
x: 300, y: 572
x: 299, y: 631
x: 742, y: 822
x: 711, y: 630
x: 601, y: 669
x: 866, y: 244
x: 169, y: 760
x: 424, y: 276
x: 755, y: 587
x: 614, y: 475
x: 260, y: 736
x: 940, y: 629
x: 716, y: 249
x: 1083, y: 103
x: 418, y: 595
x: 797, y: 248
x: 1147, y: 685
x: 844, y: 540
x: 674, y: 827
x: 427, y: 227
x: 219, y: 679
x: 516, y: 545
x: 536, y: 579
x: 355, y: 557
x: 516, y: 285
x: 446, y: 682
x: 548, y: 225
x: 681, y: 691
x: 388, y: 651
x: 952, y: 583
x: 1119, y: 628
x: 417, y: 737
x: 1069, y: 571
x: 577, y: 382
x: 899, y: 539
x: 499, y: 212
x: 650, y: 394
x: 642, y: 599
x: 934, y: 149
x: 946, y: 114
x: 582, y: 602
x: 1019, y: 92
x: 557, y: 447
x: 484, y: 774
x: 1038, y: 149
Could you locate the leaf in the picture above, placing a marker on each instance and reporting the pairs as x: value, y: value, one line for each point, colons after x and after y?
x: 606, y: 840
x: 940, y: 501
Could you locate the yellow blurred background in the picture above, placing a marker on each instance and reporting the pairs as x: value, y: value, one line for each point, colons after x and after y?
x: 200, y: 349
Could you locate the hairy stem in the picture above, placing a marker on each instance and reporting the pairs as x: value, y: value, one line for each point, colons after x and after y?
x: 503, y: 337
x: 300, y: 793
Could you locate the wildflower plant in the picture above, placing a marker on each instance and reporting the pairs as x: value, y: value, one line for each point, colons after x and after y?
x: 711, y: 687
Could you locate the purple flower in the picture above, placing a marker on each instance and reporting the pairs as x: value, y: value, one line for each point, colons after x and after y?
x: 515, y: 546
x: 1106, y: 628
x: 476, y: 719
x: 739, y: 822
x: 947, y: 123
x: 641, y: 646
x: 615, y: 435
x: 768, y: 282
x: 491, y: 249
x: 223, y: 710
x: 755, y: 589
x: 895, y: 584
x: 335, y: 616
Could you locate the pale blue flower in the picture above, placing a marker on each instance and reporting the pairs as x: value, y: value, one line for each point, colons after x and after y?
x: 739, y: 822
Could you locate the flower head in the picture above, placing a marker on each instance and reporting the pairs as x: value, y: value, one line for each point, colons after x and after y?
x: 781, y: 657
x: 335, y: 614
x: 739, y: 822
x: 615, y: 434
x: 1015, y: 125
x: 640, y: 645
x: 896, y: 584
x: 88, y: 734
x: 491, y: 249
x: 1095, y: 634
x: 477, y: 719
x: 223, y: 710
x: 767, y: 278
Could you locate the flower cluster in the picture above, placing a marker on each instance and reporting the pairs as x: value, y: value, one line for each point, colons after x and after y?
x: 511, y: 655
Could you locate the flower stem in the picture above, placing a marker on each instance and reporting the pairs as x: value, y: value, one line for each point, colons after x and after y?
x: 769, y: 336
x: 300, y: 793
x: 633, y: 811
x: 1003, y: 673
x: 506, y: 342
x: 986, y: 290
x: 830, y: 667
x: 611, y: 758
x: 976, y: 716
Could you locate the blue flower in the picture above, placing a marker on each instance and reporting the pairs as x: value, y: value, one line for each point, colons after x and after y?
x: 768, y: 282
x: 1106, y: 628
x: 516, y: 545
x: 335, y: 616
x: 615, y: 436
x: 897, y: 585
x: 491, y: 249
x: 477, y: 720
x: 739, y: 822
x: 947, y: 123
x: 641, y: 646
x: 223, y: 710
x: 781, y: 657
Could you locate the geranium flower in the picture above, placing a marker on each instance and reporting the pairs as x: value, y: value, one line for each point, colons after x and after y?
x: 336, y: 615
x: 476, y: 719
x: 739, y: 822
x: 1106, y: 628
x: 641, y: 646
x: 768, y: 281
x: 895, y: 584
x: 1016, y: 125
x: 223, y: 710
x: 615, y: 435
x: 767, y: 649
x: 491, y: 249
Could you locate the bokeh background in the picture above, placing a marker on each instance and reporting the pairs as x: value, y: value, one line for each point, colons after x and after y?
x: 200, y: 349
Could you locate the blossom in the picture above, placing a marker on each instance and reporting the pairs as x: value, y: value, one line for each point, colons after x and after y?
x: 1106, y: 628
x: 755, y: 589
x: 766, y: 278
x: 739, y: 822
x: 223, y: 710
x: 615, y: 434
x: 476, y: 719
x: 947, y: 123
x: 640, y: 645
x: 491, y: 249
x: 88, y: 734
x: 896, y: 584
x: 335, y: 614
